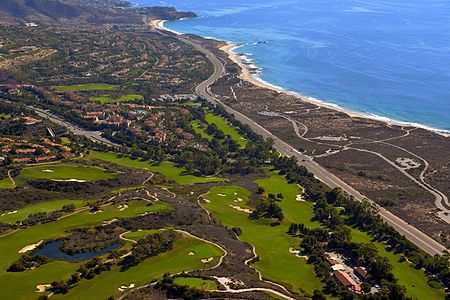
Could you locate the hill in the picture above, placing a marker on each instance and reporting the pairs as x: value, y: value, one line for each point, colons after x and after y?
x: 82, y: 11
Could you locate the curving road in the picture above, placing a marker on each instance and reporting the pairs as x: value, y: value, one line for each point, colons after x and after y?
x: 416, y: 236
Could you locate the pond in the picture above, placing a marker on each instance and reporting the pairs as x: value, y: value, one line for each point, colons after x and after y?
x: 52, y: 250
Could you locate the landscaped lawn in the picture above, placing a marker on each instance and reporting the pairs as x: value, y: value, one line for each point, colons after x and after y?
x: 168, y: 169
x: 198, y: 283
x: 174, y: 261
x: 64, y: 172
x: 271, y: 242
x: 46, y: 206
x: 6, y: 183
x: 415, y: 281
x: 226, y: 128
x: 86, y: 87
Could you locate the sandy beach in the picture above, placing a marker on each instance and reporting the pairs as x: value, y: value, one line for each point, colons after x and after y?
x: 246, y: 75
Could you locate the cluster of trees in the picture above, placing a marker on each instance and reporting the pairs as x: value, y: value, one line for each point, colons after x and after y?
x: 267, y: 208
x: 6, y: 226
x: 90, y: 239
x: 44, y: 217
x: 149, y: 246
x: 364, y: 215
x: 199, y: 162
x: 314, y: 241
x: 28, y: 261
x: 90, y: 269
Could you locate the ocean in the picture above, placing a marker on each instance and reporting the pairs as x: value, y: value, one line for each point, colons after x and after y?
x: 387, y: 58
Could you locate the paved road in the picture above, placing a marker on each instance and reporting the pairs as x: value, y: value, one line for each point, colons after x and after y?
x: 416, y: 236
x: 95, y: 136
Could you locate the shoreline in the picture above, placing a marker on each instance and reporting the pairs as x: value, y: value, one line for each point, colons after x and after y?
x: 246, y: 75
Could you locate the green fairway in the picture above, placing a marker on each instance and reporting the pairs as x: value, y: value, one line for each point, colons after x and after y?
x: 294, y: 211
x: 226, y: 128
x: 65, y: 172
x: 200, y: 129
x: 415, y: 281
x: 198, y: 283
x: 86, y: 87
x: 271, y: 242
x: 174, y: 261
x: 6, y: 183
x: 47, y: 206
x: 168, y: 169
x: 113, y: 98
x: 130, y: 97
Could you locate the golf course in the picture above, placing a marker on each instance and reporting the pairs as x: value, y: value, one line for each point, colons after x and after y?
x: 272, y: 244
x: 166, y: 168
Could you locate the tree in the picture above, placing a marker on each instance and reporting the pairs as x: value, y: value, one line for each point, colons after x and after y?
x: 318, y: 295
x: 60, y: 287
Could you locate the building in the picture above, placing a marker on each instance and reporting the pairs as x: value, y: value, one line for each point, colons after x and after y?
x: 362, y: 273
x: 347, y: 281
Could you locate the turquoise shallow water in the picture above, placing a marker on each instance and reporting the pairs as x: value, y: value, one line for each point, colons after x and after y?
x: 383, y: 57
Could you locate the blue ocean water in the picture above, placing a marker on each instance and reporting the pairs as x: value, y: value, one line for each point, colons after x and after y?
x: 385, y: 57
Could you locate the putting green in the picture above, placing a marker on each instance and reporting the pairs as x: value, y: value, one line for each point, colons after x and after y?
x: 197, y: 283
x: 174, y: 261
x: 86, y: 87
x: 226, y: 128
x: 64, y: 172
x: 415, y: 281
x: 271, y: 242
x: 166, y: 168
x: 47, y: 206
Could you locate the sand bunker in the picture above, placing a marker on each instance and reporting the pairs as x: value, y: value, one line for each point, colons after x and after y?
x: 192, y: 253
x: 48, y: 171
x: 297, y: 253
x: 299, y: 197
x: 246, y: 210
x: 221, y: 195
x: 105, y: 223
x: 31, y: 247
x: 207, y: 260
x: 206, y: 200
x: 69, y: 180
x: 9, y: 213
x: 40, y: 288
x: 122, y: 207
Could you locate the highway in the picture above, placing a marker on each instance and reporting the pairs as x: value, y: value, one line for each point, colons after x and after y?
x: 413, y: 234
x: 95, y: 136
